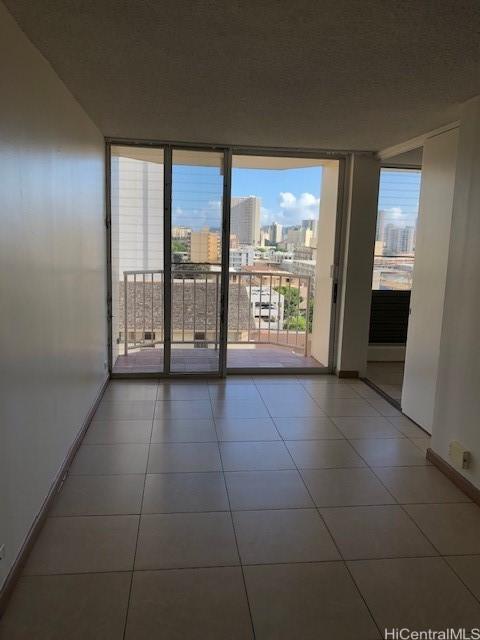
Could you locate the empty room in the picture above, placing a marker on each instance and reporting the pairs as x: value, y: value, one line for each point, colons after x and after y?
x: 239, y: 304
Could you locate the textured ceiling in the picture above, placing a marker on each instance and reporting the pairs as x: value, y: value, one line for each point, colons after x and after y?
x: 338, y: 74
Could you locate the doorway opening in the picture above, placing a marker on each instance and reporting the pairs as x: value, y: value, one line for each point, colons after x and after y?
x: 392, y: 280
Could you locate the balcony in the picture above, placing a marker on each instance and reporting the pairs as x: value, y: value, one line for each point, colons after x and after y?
x: 269, y: 321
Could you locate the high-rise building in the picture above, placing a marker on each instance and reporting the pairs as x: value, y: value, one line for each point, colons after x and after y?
x: 398, y: 240
x: 245, y: 219
x: 276, y: 230
x: 299, y: 236
x: 204, y: 246
x: 311, y: 224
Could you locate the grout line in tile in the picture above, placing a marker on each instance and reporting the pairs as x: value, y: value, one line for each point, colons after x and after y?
x: 237, y: 547
x: 138, y: 532
x: 335, y: 543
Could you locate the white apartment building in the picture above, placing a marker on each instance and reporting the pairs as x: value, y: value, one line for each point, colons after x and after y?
x: 300, y: 236
x: 267, y: 310
x: 279, y: 257
x: 137, y: 229
x: 276, y: 231
x: 241, y: 257
x: 302, y: 268
x: 245, y: 219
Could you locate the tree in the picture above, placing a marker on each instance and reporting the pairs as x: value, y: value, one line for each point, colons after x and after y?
x: 296, y: 323
x: 291, y: 303
x: 179, y: 247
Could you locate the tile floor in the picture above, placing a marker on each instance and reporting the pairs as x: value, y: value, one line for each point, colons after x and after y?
x: 388, y: 376
x: 267, y: 507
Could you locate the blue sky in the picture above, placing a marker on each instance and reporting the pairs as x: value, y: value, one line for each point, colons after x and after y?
x: 288, y: 196
x: 399, y: 195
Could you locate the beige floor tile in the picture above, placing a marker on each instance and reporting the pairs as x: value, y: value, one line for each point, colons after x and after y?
x: 327, y: 391
x: 119, y: 432
x: 452, y: 528
x: 184, y: 457
x: 407, y: 427
x: 375, y: 532
x: 183, y: 410
x: 254, y: 456
x: 384, y: 407
x: 345, y: 487
x: 307, y: 601
x: 266, y: 380
x: 110, y: 459
x: 468, y: 569
x: 364, y: 390
x: 354, y: 407
x: 389, y: 452
x: 309, y: 428
x: 239, y: 408
x: 76, y: 607
x: 373, y: 427
x: 249, y: 429
x: 177, y: 390
x: 84, y: 545
x: 323, y: 454
x: 182, y: 540
x: 422, y: 443
x: 267, y: 490
x: 100, y: 495
x: 124, y: 410
x: 283, y: 407
x: 415, y: 593
x: 419, y: 484
x: 295, y: 393
x: 130, y: 390
x: 225, y: 392
x: 179, y: 492
x: 191, y: 603
x: 187, y: 430
x: 317, y: 379
x: 290, y: 535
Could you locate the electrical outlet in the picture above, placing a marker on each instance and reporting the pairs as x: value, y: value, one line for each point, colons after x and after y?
x: 2, y: 551
x: 459, y: 456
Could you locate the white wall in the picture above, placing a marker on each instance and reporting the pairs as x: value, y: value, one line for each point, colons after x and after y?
x: 322, y: 302
x: 429, y: 277
x: 359, y: 241
x: 457, y: 407
x: 52, y: 279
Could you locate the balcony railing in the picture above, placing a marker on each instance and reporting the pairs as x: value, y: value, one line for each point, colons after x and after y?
x: 263, y: 308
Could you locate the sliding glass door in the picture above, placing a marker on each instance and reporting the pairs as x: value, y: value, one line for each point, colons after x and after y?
x: 137, y: 260
x: 196, y: 260
x: 210, y: 248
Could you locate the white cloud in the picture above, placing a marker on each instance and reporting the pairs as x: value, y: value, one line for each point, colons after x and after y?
x: 295, y: 209
x: 393, y: 212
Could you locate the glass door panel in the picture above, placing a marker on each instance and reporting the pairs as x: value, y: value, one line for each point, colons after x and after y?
x: 282, y: 248
x: 137, y: 215
x: 196, y: 260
